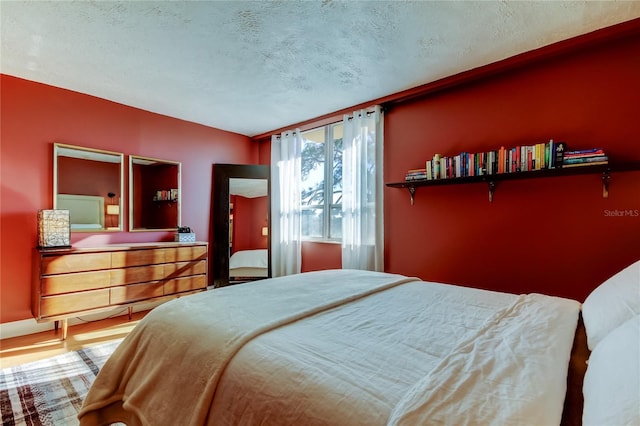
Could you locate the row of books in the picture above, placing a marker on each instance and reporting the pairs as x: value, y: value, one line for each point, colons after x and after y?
x: 166, y: 195
x: 523, y: 158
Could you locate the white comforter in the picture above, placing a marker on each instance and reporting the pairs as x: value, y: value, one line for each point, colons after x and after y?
x: 371, y: 349
x: 249, y: 259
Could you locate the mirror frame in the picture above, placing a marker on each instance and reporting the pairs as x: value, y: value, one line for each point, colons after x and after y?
x: 178, y: 201
x: 220, y: 212
x: 57, y: 148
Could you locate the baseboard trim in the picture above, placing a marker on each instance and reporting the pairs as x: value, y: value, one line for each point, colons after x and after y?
x: 31, y: 326
x: 22, y: 328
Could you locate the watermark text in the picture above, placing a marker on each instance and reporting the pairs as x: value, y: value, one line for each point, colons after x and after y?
x: 622, y: 213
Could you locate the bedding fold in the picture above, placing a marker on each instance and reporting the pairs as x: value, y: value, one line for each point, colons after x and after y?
x: 512, y: 370
x: 179, y: 350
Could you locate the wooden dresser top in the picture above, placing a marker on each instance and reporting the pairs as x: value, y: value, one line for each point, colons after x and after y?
x: 120, y: 247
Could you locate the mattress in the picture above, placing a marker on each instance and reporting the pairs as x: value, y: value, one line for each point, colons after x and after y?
x: 341, y: 347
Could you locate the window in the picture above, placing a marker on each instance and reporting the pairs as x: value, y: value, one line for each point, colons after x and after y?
x: 322, y: 183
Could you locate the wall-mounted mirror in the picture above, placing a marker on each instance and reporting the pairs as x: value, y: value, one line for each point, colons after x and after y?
x: 241, y: 223
x: 89, y: 183
x: 154, y: 194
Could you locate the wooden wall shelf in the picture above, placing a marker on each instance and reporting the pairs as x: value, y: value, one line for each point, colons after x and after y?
x: 491, y: 180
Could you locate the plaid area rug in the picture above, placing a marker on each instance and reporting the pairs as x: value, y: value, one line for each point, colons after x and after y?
x: 50, y: 391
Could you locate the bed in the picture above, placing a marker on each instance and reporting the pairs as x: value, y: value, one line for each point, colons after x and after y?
x: 86, y: 211
x: 341, y: 348
x: 248, y: 264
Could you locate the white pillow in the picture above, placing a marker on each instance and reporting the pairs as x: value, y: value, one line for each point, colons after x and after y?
x: 612, y: 382
x: 612, y: 303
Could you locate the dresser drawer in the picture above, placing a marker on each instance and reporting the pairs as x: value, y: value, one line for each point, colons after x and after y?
x: 179, y: 285
x: 124, y: 259
x: 75, y: 263
x: 79, y: 281
x: 131, y: 293
x: 68, y: 303
x: 138, y: 274
x: 184, y: 269
x: 182, y: 254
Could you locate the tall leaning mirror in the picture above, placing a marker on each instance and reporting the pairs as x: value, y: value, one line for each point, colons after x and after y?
x: 154, y: 194
x: 89, y: 183
x: 241, y: 223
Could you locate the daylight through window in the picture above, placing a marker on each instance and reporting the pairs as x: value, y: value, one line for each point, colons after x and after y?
x: 322, y: 183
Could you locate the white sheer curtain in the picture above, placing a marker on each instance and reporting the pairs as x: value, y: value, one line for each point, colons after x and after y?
x: 286, y: 210
x: 362, y: 191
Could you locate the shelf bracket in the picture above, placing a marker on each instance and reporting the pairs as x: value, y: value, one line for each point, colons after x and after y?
x: 492, y: 188
x: 606, y: 177
x: 412, y: 192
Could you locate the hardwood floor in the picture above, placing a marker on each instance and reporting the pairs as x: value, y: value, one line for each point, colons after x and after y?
x: 32, y: 347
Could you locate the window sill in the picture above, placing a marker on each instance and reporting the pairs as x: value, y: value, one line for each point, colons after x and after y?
x: 320, y: 241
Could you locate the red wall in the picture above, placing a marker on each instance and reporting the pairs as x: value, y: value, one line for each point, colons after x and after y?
x: 554, y: 235
x: 73, y: 172
x: 33, y: 116
x: 319, y: 256
x: 249, y: 216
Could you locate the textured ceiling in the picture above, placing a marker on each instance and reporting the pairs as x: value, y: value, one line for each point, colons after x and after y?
x: 252, y: 67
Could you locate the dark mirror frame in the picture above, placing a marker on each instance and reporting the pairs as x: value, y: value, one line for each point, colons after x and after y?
x: 220, y: 211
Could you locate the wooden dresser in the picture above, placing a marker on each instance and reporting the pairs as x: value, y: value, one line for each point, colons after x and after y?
x: 78, y: 281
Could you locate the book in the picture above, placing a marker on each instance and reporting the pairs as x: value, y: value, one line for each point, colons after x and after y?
x: 578, y: 157
x: 416, y: 171
x: 416, y: 174
x: 559, y: 149
x: 584, y: 151
x: 596, y: 163
x: 573, y: 160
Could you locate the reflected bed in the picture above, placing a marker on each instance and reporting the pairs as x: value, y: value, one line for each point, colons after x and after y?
x: 248, y: 264
x: 86, y: 211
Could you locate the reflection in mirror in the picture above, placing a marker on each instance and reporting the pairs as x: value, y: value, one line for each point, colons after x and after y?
x: 154, y: 194
x: 241, y: 223
x: 89, y: 183
x: 248, y: 229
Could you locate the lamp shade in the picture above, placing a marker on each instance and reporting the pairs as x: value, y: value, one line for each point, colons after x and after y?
x: 113, y: 209
x: 53, y: 228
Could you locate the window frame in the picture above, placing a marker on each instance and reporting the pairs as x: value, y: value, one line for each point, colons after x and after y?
x: 328, y: 205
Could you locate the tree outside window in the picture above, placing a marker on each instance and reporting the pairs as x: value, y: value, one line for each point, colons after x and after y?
x: 322, y: 184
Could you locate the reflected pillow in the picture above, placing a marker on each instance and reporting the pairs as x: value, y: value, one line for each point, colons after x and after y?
x: 612, y: 382
x: 611, y: 304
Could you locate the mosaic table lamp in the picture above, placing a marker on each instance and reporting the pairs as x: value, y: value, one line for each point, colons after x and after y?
x: 53, y: 228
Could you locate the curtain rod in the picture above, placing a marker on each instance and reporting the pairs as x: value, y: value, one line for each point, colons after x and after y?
x: 368, y: 113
